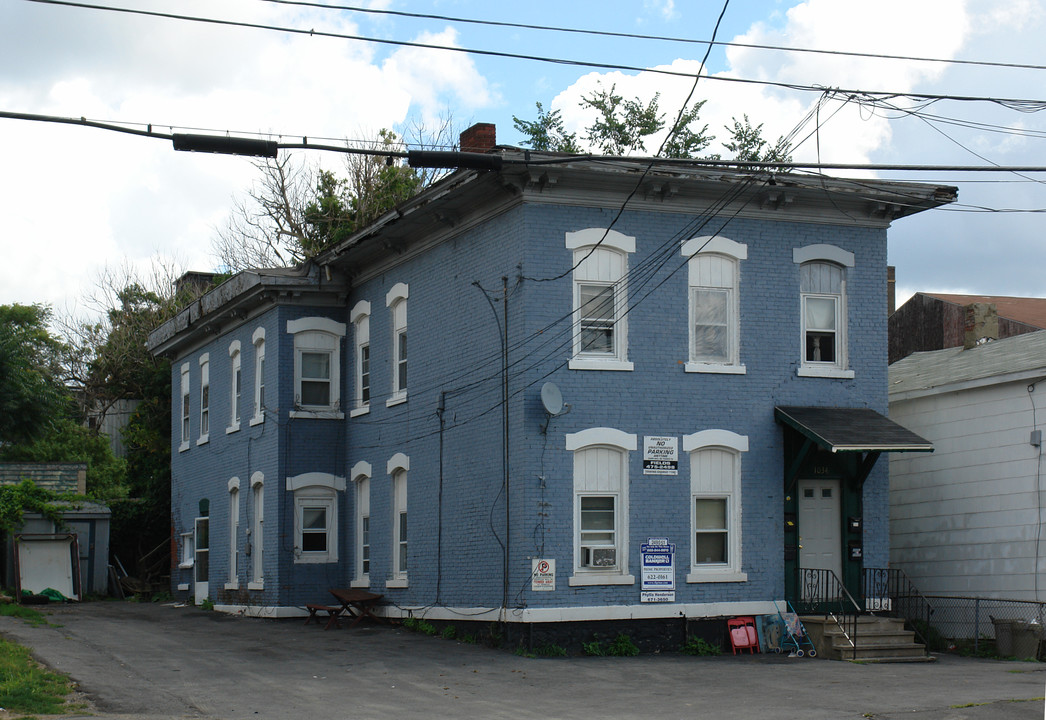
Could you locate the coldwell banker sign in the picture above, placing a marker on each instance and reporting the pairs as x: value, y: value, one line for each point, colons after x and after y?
x: 658, y: 570
x: 660, y: 455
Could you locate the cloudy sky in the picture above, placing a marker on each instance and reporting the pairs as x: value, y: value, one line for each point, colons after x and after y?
x: 76, y: 200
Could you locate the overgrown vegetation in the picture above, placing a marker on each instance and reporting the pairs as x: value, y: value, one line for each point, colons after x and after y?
x: 698, y: 646
x: 621, y: 646
x: 23, y: 612
x: 25, y: 687
x: 420, y: 625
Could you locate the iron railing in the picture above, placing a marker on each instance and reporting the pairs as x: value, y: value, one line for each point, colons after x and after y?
x: 822, y: 593
x: 890, y: 592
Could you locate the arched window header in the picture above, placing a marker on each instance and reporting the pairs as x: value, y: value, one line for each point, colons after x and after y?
x: 315, y: 479
x: 360, y: 471
x: 234, y: 347
x: 595, y: 236
x: 399, y: 291
x: 359, y: 310
x: 258, y: 336
x: 320, y: 324
x: 720, y: 245
x: 715, y: 438
x: 234, y: 484
x: 830, y: 253
x: 399, y: 461
x: 257, y: 478
x: 601, y: 436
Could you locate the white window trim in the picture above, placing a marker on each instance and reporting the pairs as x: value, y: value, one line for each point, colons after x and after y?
x: 258, y: 341
x: 360, y: 472
x: 359, y: 314
x: 184, y: 415
x: 625, y: 443
x: 730, y: 572
x: 399, y: 293
x: 233, y: 582
x: 205, y: 382
x: 398, y: 463
x: 839, y: 369
x: 235, y: 363
x: 581, y: 243
x: 330, y: 327
x: 257, y: 533
x: 316, y: 489
x: 715, y: 245
x: 188, y: 550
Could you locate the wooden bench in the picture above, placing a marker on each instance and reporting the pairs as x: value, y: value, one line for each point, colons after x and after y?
x: 333, y: 613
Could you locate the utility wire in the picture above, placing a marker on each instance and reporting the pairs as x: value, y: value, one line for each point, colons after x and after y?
x: 660, y: 38
x: 1023, y: 105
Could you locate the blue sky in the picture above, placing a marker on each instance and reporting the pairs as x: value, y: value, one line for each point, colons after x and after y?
x: 90, y: 202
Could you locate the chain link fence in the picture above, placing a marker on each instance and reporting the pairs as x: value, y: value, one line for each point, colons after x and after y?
x: 985, y: 623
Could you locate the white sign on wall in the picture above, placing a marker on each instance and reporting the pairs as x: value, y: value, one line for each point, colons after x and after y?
x: 660, y: 455
x: 542, y: 574
x: 658, y: 570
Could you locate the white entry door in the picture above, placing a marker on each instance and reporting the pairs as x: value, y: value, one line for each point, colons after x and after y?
x: 820, y: 526
x: 201, y: 561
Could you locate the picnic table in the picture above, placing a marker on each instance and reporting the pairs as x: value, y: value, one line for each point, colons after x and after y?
x: 353, y: 602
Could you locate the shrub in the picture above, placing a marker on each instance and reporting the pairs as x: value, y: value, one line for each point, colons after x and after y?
x: 697, y: 646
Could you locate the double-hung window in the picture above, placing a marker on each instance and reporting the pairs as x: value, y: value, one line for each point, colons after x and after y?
x: 315, y: 516
x: 396, y: 301
x: 317, y: 367
x: 205, y: 398
x: 233, y: 583
x: 714, y: 304
x: 185, y: 408
x: 256, y: 544
x: 398, y: 466
x: 361, y: 473
x: 822, y: 308
x: 600, y: 506
x: 235, y: 386
x: 600, y: 303
x: 360, y: 318
x: 258, y: 340
x: 715, y: 505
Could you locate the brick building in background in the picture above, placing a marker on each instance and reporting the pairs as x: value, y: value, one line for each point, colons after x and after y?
x: 708, y: 333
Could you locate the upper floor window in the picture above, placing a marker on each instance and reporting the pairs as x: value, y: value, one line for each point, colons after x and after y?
x: 360, y: 318
x: 235, y: 386
x: 185, y: 408
x: 601, y: 506
x: 317, y: 367
x: 714, y: 304
x: 822, y: 292
x: 258, y: 340
x: 315, y: 516
x: 715, y: 505
x: 396, y: 300
x: 600, y: 326
x: 205, y: 398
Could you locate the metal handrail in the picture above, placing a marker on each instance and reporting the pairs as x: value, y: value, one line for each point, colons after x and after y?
x: 822, y: 592
x: 906, y: 602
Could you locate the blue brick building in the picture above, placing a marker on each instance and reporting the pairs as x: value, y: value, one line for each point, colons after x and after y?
x: 604, y: 357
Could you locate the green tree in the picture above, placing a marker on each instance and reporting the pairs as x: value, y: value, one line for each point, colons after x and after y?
x: 748, y: 145
x: 547, y: 133
x: 32, y: 394
x: 621, y: 125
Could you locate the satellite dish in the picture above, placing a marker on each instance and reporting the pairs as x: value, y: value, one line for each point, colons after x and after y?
x: 551, y: 398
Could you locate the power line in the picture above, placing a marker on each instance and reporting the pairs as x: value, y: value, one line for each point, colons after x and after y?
x: 660, y: 38
x: 1023, y: 105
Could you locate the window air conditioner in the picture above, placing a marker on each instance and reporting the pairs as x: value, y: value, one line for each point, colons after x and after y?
x: 599, y: 557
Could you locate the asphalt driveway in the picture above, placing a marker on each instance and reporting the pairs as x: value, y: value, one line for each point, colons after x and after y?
x: 159, y: 661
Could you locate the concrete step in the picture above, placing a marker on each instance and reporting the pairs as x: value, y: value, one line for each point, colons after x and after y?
x: 878, y: 639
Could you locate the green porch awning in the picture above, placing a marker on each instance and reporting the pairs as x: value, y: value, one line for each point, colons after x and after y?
x: 858, y: 430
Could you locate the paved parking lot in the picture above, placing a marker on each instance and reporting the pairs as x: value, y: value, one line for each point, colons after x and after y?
x: 156, y: 661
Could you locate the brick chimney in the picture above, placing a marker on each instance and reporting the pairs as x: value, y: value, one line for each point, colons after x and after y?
x: 981, y: 324
x: 479, y: 138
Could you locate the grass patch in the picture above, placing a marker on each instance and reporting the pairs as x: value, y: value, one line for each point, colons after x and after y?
x: 621, y: 646
x: 25, y: 687
x: 31, y: 616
